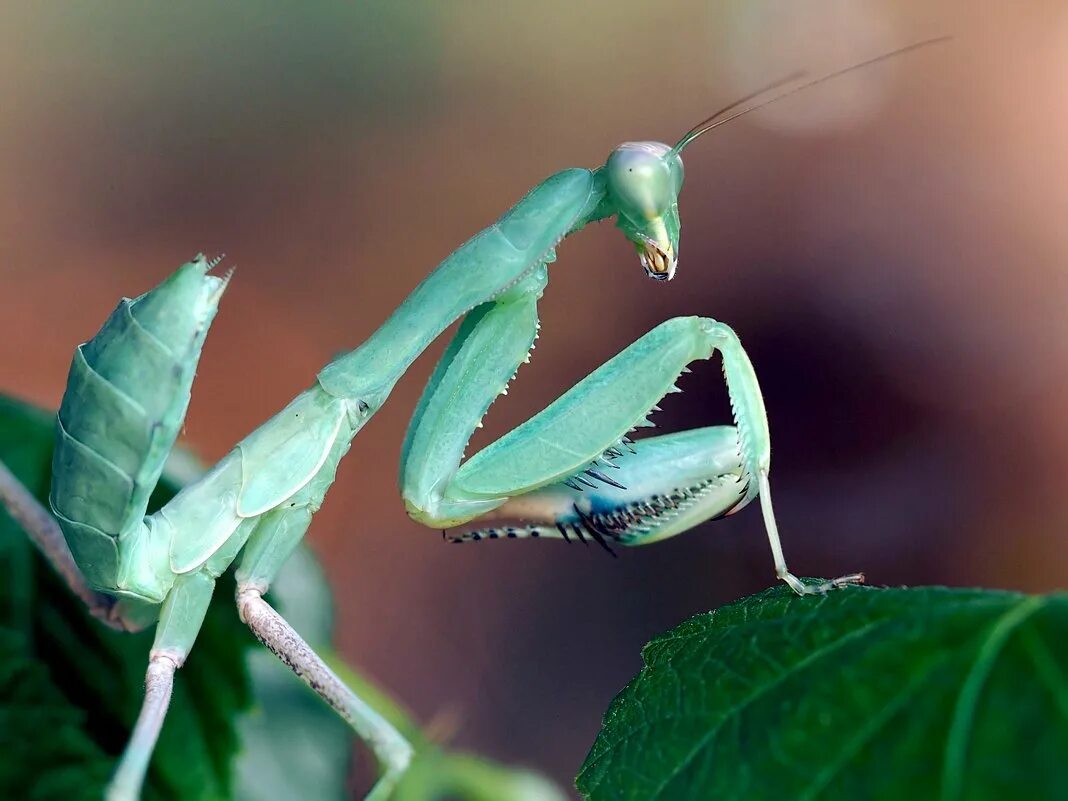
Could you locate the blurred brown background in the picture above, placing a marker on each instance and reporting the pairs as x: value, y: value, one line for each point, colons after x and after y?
x: 891, y: 247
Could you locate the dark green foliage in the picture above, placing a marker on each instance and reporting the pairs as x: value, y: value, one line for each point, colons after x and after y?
x: 876, y: 694
x: 70, y: 688
x: 44, y: 752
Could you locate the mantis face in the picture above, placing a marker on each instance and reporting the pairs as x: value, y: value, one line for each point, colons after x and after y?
x: 643, y: 182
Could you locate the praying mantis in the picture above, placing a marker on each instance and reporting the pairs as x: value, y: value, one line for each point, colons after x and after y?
x: 570, y: 471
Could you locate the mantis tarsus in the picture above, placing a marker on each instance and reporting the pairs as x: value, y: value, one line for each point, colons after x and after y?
x: 570, y: 471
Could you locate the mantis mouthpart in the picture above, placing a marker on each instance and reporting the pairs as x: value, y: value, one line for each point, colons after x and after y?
x: 570, y: 472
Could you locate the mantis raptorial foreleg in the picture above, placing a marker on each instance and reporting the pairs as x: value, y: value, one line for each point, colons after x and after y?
x: 493, y: 340
x: 577, y: 439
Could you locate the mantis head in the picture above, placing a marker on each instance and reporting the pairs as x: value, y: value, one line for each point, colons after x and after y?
x: 643, y: 179
x: 643, y: 184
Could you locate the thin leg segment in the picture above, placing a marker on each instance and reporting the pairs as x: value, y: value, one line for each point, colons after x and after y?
x: 389, y: 746
x: 159, y: 682
x: 780, y: 561
x: 180, y: 620
x: 270, y: 545
x: 754, y: 440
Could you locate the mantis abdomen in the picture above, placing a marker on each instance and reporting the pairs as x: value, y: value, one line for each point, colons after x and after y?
x: 126, y: 399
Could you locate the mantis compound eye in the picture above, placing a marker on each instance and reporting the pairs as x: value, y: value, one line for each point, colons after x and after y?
x: 643, y: 183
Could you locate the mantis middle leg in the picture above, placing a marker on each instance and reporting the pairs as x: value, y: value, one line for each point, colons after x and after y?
x: 179, y: 622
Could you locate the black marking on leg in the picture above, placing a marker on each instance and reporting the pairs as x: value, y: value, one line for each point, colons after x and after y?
x: 563, y: 532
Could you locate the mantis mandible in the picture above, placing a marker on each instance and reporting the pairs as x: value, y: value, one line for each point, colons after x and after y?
x: 569, y: 471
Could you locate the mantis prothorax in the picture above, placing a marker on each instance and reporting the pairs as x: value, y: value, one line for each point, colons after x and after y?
x: 570, y: 471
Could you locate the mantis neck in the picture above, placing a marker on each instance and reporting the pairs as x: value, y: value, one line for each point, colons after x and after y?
x: 489, y: 263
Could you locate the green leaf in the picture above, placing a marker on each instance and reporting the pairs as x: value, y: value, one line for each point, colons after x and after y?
x: 45, y: 752
x: 926, y: 693
x: 98, y: 673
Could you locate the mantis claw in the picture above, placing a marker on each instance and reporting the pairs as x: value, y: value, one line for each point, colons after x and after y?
x: 799, y: 587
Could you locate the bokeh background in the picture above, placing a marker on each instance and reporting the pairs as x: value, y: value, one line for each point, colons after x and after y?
x: 892, y: 248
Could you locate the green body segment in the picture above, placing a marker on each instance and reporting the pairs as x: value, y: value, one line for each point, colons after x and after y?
x: 297, y: 450
x: 126, y: 398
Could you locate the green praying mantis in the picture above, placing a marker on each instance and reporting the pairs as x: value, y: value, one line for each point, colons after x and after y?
x: 571, y: 471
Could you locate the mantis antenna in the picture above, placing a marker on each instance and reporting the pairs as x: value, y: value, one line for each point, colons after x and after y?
x: 711, y: 122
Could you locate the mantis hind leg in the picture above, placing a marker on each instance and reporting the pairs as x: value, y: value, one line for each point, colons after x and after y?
x: 271, y: 629
x: 270, y: 545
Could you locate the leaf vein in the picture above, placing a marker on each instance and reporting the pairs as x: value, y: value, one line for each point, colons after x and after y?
x: 964, y: 711
x: 813, y: 656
